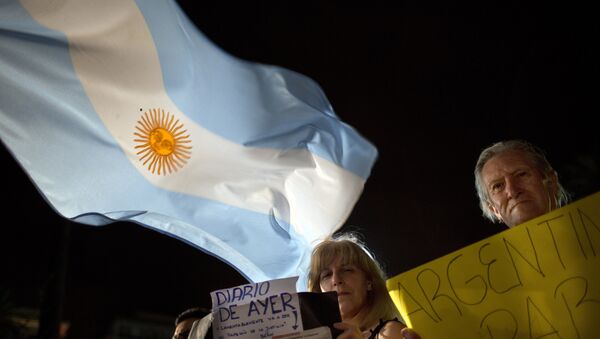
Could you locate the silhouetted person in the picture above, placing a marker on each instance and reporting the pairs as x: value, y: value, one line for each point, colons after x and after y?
x: 185, y: 320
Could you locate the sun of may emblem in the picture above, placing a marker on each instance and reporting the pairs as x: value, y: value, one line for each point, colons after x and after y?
x: 162, y: 142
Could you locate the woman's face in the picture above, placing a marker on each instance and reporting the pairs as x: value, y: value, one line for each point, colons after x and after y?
x: 351, y: 285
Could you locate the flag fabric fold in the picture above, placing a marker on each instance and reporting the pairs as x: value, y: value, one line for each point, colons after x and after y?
x: 123, y: 111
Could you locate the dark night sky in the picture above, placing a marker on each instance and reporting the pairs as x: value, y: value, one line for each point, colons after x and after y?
x: 430, y: 85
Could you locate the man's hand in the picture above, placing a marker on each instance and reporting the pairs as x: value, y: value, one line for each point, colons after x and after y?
x: 409, y: 333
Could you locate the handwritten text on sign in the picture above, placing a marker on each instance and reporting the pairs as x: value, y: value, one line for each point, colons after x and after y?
x: 539, y: 279
x: 258, y: 310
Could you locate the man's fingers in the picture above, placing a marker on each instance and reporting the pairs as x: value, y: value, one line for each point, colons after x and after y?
x: 409, y: 333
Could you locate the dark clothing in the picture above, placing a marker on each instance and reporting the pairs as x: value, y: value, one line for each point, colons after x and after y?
x: 376, y: 330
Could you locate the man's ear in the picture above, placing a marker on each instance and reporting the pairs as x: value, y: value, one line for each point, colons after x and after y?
x: 551, y: 182
x: 495, y: 211
x: 551, y: 185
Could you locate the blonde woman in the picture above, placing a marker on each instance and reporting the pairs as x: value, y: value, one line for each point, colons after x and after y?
x: 343, y: 264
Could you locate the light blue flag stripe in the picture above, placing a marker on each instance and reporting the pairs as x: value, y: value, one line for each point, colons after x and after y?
x: 308, y: 122
x: 51, y: 127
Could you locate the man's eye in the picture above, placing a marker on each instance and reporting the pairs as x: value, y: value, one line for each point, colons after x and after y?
x: 496, y: 187
x: 325, y: 275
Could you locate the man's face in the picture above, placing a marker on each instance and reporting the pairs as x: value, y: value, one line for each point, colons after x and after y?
x: 183, y: 328
x: 516, y: 188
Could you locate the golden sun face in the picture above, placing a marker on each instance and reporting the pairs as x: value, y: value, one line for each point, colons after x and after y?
x: 161, y: 142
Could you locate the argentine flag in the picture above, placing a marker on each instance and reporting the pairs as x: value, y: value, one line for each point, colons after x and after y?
x: 122, y: 110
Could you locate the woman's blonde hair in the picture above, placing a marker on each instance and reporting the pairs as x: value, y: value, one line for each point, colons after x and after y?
x: 351, y: 250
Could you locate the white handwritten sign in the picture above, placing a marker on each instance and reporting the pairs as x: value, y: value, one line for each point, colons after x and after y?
x: 258, y: 310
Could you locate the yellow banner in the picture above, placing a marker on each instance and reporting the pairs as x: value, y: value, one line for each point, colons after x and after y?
x: 539, y: 279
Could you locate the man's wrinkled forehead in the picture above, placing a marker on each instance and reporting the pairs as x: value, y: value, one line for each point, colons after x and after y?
x: 510, y: 160
x: 507, y: 163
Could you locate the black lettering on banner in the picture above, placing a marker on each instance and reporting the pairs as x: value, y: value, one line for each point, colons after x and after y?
x: 253, y: 308
x: 466, y: 282
x: 501, y: 327
x: 579, y: 302
x: 286, y: 300
x: 436, y: 294
x: 547, y: 222
x: 421, y: 308
x: 577, y: 235
x: 536, y: 268
x: 537, y: 320
x: 274, y: 301
x: 264, y: 305
x: 489, y: 273
x: 221, y: 298
x: 585, y: 227
x: 239, y: 294
x: 226, y: 313
x: 248, y: 292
